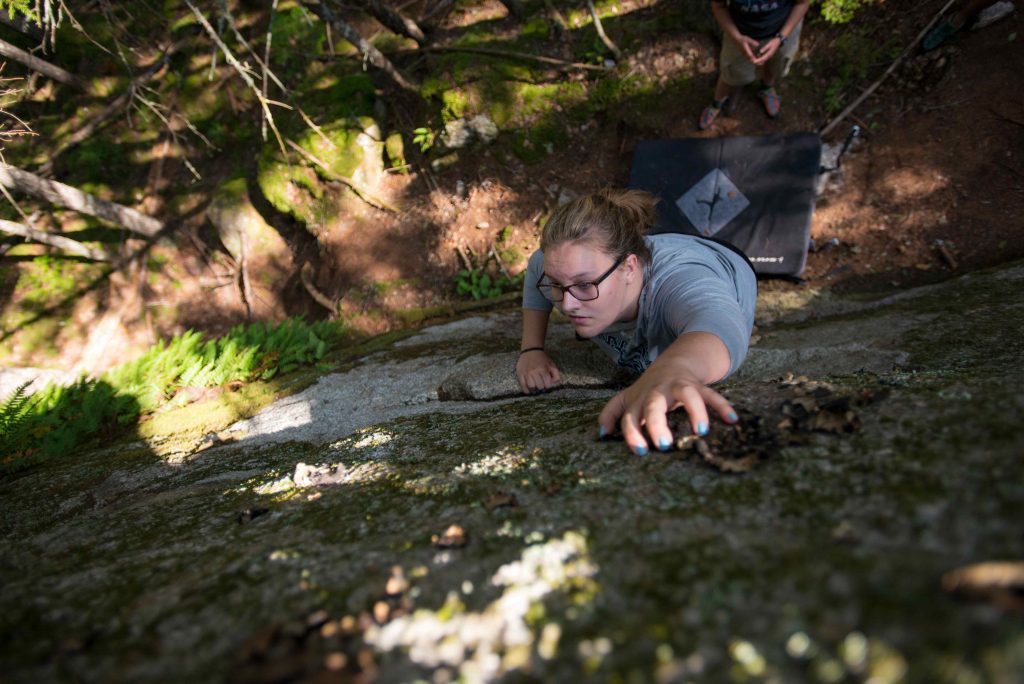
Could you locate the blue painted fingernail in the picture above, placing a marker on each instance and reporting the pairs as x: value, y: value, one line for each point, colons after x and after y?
x: 601, y: 431
x: 702, y: 429
x: 641, y: 450
x: 732, y: 416
x: 664, y: 444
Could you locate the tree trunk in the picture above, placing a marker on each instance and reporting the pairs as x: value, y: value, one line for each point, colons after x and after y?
x: 66, y: 196
x: 394, y: 20
x: 59, y: 241
x: 43, y: 67
x: 372, y: 54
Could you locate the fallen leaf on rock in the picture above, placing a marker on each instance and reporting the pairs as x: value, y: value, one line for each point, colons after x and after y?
x: 499, y: 500
x: 999, y: 582
x: 453, y: 538
x: 735, y: 448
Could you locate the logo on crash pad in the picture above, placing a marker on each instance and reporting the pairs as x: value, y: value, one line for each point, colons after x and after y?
x: 712, y: 202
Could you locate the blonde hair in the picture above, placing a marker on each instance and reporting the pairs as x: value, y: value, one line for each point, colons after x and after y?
x: 615, y: 221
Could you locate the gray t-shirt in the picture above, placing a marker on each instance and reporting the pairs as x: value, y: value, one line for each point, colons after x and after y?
x: 691, y: 285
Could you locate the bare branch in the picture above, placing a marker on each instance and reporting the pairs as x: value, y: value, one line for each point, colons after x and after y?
x: 612, y: 47
x: 370, y: 53
x: 517, y: 55
x: 269, y: 74
x: 58, y: 241
x: 43, y: 67
x: 243, y: 71
x: 73, y: 198
x: 394, y: 20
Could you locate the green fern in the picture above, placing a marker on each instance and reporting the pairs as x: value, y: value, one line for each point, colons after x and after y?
x: 14, y: 412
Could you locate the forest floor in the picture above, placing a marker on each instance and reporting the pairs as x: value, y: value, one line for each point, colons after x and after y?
x: 933, y: 188
x: 940, y: 162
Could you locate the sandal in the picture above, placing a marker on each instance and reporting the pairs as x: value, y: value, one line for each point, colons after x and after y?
x: 708, y: 116
x: 771, y: 101
x: 939, y: 35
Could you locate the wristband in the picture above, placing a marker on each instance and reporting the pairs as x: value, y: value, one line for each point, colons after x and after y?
x: 530, y: 349
x: 782, y: 39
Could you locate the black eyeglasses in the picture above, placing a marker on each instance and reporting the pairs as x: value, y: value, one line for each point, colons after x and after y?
x: 583, y: 292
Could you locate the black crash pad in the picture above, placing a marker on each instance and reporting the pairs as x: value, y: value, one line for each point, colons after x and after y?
x: 756, y: 192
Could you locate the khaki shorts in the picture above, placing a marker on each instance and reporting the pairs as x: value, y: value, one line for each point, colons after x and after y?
x: 737, y: 70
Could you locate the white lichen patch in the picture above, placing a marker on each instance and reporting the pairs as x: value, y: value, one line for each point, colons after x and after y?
x: 371, y: 438
x: 482, y: 646
x: 504, y: 461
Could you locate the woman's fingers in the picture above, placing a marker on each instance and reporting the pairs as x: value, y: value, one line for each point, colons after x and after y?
x: 631, y: 432
x: 720, y: 405
x: 655, y: 412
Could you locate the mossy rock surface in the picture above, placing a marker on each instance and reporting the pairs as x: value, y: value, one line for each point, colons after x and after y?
x: 571, y: 559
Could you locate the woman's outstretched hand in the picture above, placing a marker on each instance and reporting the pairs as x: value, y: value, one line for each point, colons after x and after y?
x: 677, y: 378
x: 536, y: 372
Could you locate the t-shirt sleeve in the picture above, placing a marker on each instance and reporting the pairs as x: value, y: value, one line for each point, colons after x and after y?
x: 696, y: 299
x: 532, y: 298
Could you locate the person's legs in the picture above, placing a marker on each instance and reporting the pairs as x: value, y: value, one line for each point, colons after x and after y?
x: 735, y: 71
x: 775, y: 69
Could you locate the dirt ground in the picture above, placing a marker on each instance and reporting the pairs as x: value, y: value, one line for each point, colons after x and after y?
x: 933, y: 188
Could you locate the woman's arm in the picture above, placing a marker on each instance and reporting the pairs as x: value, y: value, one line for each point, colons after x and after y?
x: 678, y: 377
x: 535, y: 370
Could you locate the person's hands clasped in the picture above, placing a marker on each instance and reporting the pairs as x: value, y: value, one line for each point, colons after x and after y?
x: 765, y: 52
x: 750, y: 47
x: 536, y: 372
x: 643, y: 406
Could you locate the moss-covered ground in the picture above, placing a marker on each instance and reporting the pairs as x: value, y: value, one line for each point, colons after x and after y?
x: 573, y: 561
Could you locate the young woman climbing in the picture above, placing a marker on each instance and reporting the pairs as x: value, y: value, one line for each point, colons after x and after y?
x: 675, y: 309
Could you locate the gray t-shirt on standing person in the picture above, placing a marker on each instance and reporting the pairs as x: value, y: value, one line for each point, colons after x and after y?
x: 691, y: 285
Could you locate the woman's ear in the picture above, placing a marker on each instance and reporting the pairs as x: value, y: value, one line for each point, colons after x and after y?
x: 633, y: 268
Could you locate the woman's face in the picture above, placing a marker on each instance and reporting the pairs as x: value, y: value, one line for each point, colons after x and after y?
x: 570, y: 263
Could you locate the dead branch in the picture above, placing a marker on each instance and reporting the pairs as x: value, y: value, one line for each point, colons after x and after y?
x: 306, y: 276
x: 73, y: 198
x: 394, y: 21
x: 888, y: 72
x: 43, y: 67
x: 363, y: 193
x: 517, y: 55
x: 370, y: 53
x: 465, y: 258
x: 58, y: 241
x: 612, y: 47
x: 440, y: 10
x: 242, y: 71
x: 269, y: 74
x: 107, y: 112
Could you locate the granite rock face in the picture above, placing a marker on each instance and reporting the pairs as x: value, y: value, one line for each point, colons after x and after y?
x: 314, y: 541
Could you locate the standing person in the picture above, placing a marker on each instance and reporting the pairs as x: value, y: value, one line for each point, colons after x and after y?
x: 757, y: 34
x: 676, y: 309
